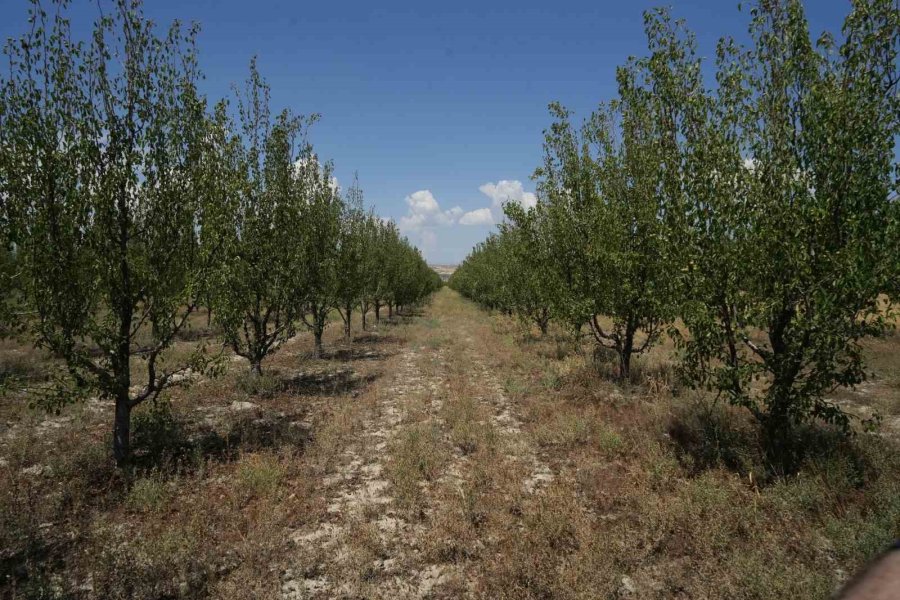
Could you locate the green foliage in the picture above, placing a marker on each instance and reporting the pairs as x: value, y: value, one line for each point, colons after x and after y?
x: 351, y: 260
x: 127, y: 203
x: 789, y: 169
x: 102, y: 161
x: 762, y: 212
x: 260, y: 281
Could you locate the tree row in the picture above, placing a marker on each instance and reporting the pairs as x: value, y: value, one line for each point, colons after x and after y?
x: 129, y: 201
x: 754, y: 220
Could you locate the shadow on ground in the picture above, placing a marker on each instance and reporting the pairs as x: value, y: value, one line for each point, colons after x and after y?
x: 333, y: 383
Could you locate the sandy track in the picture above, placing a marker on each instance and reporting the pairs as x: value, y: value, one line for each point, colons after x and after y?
x: 370, y: 544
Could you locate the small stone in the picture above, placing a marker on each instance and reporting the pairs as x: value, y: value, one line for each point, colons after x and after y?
x: 627, y: 588
x: 238, y: 405
x: 37, y: 470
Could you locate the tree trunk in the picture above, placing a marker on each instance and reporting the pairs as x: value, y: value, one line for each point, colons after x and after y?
x: 624, y: 365
x: 543, y: 320
x: 390, y: 311
x: 363, y: 318
x: 377, y: 312
x: 779, y: 427
x: 317, y: 334
x: 779, y: 437
x: 256, y: 367
x: 122, y: 429
x: 347, y: 324
x: 625, y: 352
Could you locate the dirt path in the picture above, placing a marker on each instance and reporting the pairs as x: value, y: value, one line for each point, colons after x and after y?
x: 399, y: 499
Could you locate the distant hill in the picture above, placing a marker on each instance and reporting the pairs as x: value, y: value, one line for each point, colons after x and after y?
x: 445, y: 271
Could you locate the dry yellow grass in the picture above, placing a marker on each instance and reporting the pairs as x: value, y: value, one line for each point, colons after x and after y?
x: 450, y: 454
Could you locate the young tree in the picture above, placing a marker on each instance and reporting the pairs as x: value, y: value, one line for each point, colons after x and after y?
x: 369, y: 267
x: 386, y: 260
x: 790, y: 216
x: 102, y: 145
x: 417, y: 279
x: 530, y: 286
x: 351, y: 262
x: 484, y: 276
x: 602, y: 197
x: 260, y: 284
x: 321, y: 225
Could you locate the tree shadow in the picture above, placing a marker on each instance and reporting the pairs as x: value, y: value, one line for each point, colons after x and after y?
x: 377, y: 339
x: 712, y: 435
x: 325, y: 383
x: 250, y: 434
x: 355, y: 353
x: 194, y: 334
x: 166, y: 444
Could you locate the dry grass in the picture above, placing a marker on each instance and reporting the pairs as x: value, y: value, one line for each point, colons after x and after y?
x: 511, y: 467
x: 660, y: 496
x: 216, y: 487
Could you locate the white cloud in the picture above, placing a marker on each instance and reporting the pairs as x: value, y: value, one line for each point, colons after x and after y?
x: 423, y: 202
x: 425, y: 211
x: 507, y: 191
x: 425, y: 220
x: 481, y: 216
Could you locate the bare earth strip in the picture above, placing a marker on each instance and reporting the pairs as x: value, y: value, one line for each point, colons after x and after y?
x: 406, y: 508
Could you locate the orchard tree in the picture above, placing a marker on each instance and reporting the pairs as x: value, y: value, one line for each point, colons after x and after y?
x: 530, y: 285
x: 386, y: 265
x: 370, y: 236
x: 260, y: 283
x: 602, y: 196
x: 566, y: 211
x: 484, y: 275
x: 417, y: 280
x: 321, y: 224
x: 102, y: 159
x: 791, y: 216
x: 351, y: 263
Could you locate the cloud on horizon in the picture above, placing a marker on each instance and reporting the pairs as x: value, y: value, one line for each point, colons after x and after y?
x: 424, y: 215
x: 506, y: 191
x: 481, y: 216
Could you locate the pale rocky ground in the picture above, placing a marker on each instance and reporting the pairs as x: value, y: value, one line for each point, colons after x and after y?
x: 437, y: 456
x: 363, y: 505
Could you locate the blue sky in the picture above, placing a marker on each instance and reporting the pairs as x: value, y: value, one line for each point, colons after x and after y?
x: 435, y: 105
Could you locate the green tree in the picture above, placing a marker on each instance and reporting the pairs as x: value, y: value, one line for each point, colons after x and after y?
x: 386, y: 265
x: 484, y: 276
x: 790, y: 215
x: 260, y: 283
x: 351, y: 264
x: 369, y: 266
x: 323, y: 209
x: 528, y: 285
x: 603, y: 200
x: 99, y: 179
